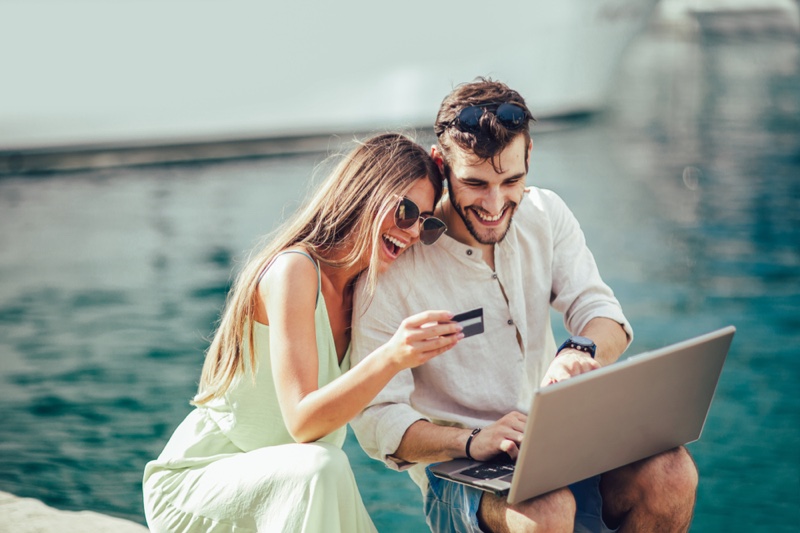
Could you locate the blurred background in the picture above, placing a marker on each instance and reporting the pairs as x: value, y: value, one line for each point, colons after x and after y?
x: 146, y: 146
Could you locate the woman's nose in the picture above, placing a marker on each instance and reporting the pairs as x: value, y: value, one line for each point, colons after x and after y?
x: 415, y: 229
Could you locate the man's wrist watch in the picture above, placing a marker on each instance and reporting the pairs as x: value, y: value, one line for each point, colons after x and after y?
x: 577, y: 342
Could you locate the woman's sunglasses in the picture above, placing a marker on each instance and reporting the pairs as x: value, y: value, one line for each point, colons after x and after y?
x: 407, y: 214
x: 511, y: 116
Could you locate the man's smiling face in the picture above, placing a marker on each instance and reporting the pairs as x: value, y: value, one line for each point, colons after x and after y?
x: 484, y: 198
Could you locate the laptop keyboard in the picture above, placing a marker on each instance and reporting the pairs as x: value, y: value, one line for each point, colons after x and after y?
x: 489, y: 470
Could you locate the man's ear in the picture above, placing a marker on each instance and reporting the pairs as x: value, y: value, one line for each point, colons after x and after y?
x: 528, y: 154
x: 436, y: 155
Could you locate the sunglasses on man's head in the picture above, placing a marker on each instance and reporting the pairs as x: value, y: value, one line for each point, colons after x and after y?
x: 468, y: 120
x: 407, y: 214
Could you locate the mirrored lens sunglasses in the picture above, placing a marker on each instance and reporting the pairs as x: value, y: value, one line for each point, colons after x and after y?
x: 407, y: 214
x: 511, y: 116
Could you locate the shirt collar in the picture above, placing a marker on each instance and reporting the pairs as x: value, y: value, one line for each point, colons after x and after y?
x: 470, y: 254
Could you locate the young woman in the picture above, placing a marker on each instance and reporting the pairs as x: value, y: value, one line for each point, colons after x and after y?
x: 262, y: 449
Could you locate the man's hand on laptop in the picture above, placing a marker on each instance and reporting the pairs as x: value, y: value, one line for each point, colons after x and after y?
x: 504, y: 436
x: 568, y: 363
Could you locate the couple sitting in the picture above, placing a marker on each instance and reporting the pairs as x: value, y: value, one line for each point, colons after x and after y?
x: 283, y: 375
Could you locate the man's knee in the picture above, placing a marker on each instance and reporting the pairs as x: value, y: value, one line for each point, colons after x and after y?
x: 660, y: 489
x: 554, y: 511
x: 666, y: 487
x: 674, y: 472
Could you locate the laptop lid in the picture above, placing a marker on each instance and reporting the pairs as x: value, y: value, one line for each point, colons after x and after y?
x: 618, y: 414
x: 607, y: 418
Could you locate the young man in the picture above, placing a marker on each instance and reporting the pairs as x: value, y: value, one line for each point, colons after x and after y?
x: 514, y: 251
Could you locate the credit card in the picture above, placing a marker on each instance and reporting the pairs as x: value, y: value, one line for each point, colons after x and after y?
x: 471, y: 321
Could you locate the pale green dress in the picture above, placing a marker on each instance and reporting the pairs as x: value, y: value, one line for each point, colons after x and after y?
x: 232, y: 466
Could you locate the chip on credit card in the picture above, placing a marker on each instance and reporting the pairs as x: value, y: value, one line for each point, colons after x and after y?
x: 471, y: 322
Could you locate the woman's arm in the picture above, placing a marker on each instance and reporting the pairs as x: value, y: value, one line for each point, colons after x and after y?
x: 289, y: 292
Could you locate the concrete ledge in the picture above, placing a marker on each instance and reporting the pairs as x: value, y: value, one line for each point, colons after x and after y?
x: 27, y: 515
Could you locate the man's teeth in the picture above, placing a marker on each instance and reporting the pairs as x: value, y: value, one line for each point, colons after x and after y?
x: 394, y: 241
x: 495, y: 218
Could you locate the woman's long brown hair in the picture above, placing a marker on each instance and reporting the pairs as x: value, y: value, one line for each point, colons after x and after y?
x: 344, y: 216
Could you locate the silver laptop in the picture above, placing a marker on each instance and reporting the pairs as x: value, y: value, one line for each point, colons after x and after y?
x: 606, y: 418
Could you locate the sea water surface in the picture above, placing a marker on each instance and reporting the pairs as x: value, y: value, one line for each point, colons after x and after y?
x: 688, y: 191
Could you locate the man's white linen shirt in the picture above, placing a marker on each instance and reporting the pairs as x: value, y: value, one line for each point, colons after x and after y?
x: 542, y: 261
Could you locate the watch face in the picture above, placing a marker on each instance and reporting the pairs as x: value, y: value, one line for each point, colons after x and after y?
x: 583, y: 341
x: 582, y: 344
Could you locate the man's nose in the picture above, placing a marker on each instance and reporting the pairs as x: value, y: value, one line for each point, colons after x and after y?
x: 493, y: 200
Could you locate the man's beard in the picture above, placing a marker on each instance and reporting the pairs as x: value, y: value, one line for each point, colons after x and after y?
x: 483, y: 239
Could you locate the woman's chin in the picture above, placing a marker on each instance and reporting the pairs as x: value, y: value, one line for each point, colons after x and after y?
x: 387, y: 258
x: 385, y: 262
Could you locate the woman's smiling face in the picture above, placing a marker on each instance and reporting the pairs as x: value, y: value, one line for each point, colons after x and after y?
x: 394, y: 241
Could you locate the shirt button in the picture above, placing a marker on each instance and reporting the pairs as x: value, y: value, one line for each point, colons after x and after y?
x: 469, y: 252
x: 494, y: 276
x: 510, y: 322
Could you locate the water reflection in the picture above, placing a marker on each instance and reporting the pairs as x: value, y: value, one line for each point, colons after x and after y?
x: 732, y: 234
x: 111, y: 281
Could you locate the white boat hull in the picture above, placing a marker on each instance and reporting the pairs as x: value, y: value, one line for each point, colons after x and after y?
x: 127, y: 72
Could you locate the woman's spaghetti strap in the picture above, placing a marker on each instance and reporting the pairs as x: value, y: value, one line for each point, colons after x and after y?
x: 316, y: 267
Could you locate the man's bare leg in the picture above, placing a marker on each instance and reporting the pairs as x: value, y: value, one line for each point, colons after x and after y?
x: 652, y: 495
x: 551, y: 512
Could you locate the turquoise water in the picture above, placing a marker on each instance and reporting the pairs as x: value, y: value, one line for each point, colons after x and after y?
x: 688, y: 192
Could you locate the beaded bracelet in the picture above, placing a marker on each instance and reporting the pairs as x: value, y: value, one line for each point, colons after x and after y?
x: 469, y: 441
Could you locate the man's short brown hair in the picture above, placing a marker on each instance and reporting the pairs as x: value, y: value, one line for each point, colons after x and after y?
x: 492, y: 136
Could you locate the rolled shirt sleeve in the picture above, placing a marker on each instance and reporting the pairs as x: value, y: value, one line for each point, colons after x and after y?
x: 579, y: 292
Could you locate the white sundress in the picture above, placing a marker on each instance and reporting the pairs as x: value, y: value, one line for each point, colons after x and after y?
x: 232, y: 466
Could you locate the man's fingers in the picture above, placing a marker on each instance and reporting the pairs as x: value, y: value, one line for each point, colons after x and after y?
x: 568, y: 365
x: 510, y: 447
x: 520, y: 418
x: 515, y: 437
x: 575, y: 364
x: 514, y: 420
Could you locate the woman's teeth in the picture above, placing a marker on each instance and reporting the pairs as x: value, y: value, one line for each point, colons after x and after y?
x: 394, y: 241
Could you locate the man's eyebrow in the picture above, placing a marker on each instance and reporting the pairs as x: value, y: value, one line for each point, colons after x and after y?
x: 471, y: 178
x: 514, y: 177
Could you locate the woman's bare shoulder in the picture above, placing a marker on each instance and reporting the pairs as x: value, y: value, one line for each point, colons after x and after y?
x: 290, y: 275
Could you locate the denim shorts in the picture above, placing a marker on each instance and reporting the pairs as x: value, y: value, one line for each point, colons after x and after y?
x: 453, y: 508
